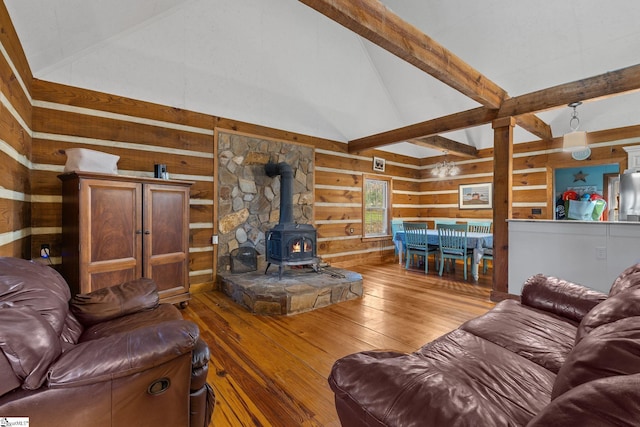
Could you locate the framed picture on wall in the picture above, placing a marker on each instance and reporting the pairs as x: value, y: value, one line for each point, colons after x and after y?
x: 378, y: 164
x: 475, y: 196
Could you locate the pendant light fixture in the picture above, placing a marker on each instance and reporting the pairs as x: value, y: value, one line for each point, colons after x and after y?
x: 575, y: 140
x: 445, y: 168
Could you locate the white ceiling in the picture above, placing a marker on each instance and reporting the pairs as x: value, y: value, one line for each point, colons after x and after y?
x: 281, y: 64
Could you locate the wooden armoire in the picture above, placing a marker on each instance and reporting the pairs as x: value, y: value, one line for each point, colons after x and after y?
x: 118, y: 228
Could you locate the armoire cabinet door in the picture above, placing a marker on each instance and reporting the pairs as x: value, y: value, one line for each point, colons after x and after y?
x: 166, y: 238
x: 111, y: 233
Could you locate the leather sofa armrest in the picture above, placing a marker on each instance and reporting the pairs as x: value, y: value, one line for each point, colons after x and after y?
x: 123, y: 354
x: 560, y: 297
x: 115, y: 301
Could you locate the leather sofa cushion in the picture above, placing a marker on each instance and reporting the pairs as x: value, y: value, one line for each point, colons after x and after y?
x: 611, y: 401
x: 115, y: 301
x: 458, y: 379
x: 29, y: 343
x: 610, y: 349
x: 8, y: 380
x: 40, y: 287
x: 124, y: 324
x: 537, y: 335
x: 560, y: 297
x: 629, y: 278
x: 619, y: 306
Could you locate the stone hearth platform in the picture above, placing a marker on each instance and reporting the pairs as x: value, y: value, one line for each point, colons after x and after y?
x: 299, y: 290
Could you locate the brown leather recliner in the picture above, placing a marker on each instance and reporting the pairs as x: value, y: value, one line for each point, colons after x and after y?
x: 112, y: 357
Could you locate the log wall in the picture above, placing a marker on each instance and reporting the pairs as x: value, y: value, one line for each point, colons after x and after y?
x: 15, y: 144
x: 39, y: 120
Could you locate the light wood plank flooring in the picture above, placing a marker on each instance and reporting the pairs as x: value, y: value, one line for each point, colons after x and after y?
x: 272, y: 371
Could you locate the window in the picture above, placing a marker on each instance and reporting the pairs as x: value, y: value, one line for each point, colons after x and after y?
x: 376, y: 206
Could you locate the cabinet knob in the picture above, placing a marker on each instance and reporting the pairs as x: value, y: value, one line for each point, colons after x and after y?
x: 147, y: 232
x: 138, y: 231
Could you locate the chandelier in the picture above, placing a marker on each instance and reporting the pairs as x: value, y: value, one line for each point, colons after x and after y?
x: 445, y: 168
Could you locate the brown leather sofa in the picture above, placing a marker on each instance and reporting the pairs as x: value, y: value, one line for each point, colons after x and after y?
x: 562, y: 356
x: 114, y: 357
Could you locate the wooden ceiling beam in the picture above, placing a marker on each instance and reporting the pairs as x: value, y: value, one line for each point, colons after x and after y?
x: 601, y: 86
x: 372, y: 20
x: 450, y: 146
x: 457, y: 121
x: 536, y: 126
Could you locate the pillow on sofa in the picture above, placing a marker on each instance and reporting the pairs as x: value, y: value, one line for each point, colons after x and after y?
x: 625, y: 304
x: 559, y: 296
x: 115, y: 301
x: 609, y: 350
x: 627, y: 279
x: 29, y: 343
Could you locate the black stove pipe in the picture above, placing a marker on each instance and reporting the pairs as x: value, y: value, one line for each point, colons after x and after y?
x: 286, y: 189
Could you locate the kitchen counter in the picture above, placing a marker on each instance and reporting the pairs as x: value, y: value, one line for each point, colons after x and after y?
x: 591, y: 253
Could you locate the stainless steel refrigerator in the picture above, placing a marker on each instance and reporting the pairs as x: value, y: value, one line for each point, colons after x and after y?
x: 630, y: 196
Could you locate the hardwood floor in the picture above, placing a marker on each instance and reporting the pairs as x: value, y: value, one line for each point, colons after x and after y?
x: 272, y: 371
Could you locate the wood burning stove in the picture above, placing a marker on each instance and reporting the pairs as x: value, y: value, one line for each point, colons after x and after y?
x: 288, y: 243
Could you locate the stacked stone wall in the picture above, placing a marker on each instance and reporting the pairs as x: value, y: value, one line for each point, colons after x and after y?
x: 249, y: 201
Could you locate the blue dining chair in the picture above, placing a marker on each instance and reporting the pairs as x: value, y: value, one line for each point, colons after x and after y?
x: 482, y: 227
x: 416, y: 246
x: 453, y: 245
x: 396, y: 225
x: 479, y: 226
x: 437, y: 222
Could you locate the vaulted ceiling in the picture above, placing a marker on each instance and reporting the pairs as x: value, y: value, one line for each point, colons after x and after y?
x: 368, y: 73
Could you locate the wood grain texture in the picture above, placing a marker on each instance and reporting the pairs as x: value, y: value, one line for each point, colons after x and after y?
x: 273, y: 370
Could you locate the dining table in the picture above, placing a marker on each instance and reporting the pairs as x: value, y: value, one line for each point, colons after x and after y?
x: 480, y: 242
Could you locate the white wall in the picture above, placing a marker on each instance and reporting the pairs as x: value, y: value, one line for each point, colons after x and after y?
x: 590, y: 253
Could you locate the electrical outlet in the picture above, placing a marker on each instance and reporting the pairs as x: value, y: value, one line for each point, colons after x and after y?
x: 214, y: 239
x: 601, y: 253
x: 351, y: 230
x: 45, y: 251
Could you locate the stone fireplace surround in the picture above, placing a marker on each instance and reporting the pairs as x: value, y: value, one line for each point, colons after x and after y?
x: 249, y: 206
x: 249, y: 200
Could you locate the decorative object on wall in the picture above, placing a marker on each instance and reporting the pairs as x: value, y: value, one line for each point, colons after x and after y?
x: 475, y: 196
x: 378, y: 164
x: 575, y: 140
x: 580, y: 176
x: 445, y: 168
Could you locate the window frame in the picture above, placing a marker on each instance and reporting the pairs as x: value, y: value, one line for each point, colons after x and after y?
x: 389, y: 204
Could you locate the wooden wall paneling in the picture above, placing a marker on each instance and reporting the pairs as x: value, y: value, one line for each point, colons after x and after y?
x: 200, y: 261
x: 14, y: 92
x: 337, y: 196
x: 12, y: 45
x: 338, y: 179
x: 338, y: 213
x: 15, y: 208
x: 68, y: 95
x: 14, y: 215
x: 106, y: 128
x: 15, y: 176
x: 525, y: 195
x: 339, y: 229
x: 532, y: 178
x: 277, y: 134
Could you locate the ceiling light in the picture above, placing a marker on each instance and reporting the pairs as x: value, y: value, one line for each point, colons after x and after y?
x: 445, y: 168
x: 575, y: 140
